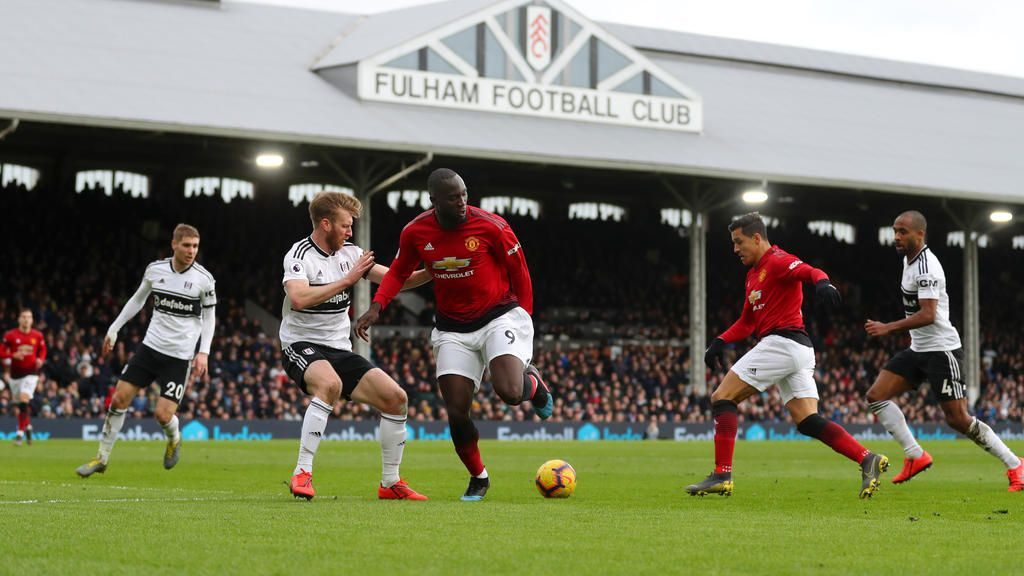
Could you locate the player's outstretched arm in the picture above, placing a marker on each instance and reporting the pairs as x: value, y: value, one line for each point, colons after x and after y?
x: 923, y: 317
x: 415, y: 280
x: 396, y: 277
x: 303, y: 296
x: 131, y: 308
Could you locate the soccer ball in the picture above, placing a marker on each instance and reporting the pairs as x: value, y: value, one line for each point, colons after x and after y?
x: 556, y: 479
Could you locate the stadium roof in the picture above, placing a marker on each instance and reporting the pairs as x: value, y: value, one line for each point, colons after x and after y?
x: 255, y: 71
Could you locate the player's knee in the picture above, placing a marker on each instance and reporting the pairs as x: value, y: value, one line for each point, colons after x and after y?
x: 718, y: 396
x: 873, y: 395
x: 327, y: 389
x: 122, y: 398
x: 395, y: 401
x: 163, y: 416
x: 458, y: 413
x: 509, y: 394
x: 508, y: 385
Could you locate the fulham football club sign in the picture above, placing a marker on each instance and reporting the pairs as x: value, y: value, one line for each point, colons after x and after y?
x: 531, y: 58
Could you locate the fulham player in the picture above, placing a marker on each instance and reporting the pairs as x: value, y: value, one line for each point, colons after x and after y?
x: 184, y: 300
x: 934, y: 356
x: 319, y: 273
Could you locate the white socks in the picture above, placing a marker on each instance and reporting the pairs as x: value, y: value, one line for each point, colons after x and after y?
x: 171, y: 429
x: 392, y: 445
x: 983, y: 436
x: 313, y: 426
x: 892, y: 418
x: 111, y: 426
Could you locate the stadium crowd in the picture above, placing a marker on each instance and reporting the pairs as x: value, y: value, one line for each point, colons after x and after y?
x: 612, y: 324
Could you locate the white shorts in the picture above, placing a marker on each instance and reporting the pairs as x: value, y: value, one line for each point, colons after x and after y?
x: 468, y: 353
x: 779, y: 360
x: 23, y: 385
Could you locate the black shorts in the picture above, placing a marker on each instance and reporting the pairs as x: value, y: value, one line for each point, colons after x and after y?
x: 940, y: 369
x: 350, y: 366
x: 147, y: 366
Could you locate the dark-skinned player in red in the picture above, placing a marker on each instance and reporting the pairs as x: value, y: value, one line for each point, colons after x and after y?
x: 484, y: 306
x: 783, y: 356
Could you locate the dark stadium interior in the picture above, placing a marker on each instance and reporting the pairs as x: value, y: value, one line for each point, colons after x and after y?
x: 612, y: 297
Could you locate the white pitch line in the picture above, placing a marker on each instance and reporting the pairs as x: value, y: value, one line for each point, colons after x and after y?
x: 111, y: 487
x: 124, y: 500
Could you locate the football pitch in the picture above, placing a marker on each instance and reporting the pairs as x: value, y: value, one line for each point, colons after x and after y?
x: 226, y: 509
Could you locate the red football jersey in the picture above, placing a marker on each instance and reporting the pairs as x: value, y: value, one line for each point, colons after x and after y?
x: 22, y: 351
x: 774, y: 295
x: 479, y: 268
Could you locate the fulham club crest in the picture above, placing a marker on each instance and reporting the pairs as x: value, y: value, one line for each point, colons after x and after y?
x: 538, y: 36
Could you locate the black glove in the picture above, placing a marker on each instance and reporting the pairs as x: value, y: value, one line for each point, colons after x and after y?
x: 826, y: 295
x: 713, y: 355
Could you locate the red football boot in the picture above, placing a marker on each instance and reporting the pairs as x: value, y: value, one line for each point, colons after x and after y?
x: 1016, y: 477
x: 912, y: 467
x: 399, y: 491
x: 302, y: 485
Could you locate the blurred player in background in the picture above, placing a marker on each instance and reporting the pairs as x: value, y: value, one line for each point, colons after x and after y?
x: 24, y: 352
x: 484, y: 306
x: 934, y: 356
x: 783, y: 356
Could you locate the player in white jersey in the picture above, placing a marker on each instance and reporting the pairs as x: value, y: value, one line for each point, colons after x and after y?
x: 184, y: 300
x: 319, y: 273
x: 934, y: 355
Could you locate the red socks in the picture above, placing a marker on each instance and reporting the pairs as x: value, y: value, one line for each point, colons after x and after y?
x: 726, y: 424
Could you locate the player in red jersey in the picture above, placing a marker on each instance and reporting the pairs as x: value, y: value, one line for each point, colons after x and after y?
x: 783, y: 356
x: 25, y: 355
x: 484, y: 307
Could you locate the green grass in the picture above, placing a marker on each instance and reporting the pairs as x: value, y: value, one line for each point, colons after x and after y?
x: 226, y: 509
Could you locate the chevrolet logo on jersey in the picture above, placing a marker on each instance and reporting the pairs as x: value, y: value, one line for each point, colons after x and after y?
x: 755, y: 295
x: 450, y: 264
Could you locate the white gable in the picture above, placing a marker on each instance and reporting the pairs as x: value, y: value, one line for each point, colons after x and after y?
x: 528, y: 57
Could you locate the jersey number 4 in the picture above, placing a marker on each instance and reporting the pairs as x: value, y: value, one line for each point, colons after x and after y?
x: 954, y: 391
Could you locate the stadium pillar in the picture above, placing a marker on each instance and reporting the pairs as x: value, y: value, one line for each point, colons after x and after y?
x: 972, y: 322
x: 366, y: 179
x: 698, y: 301
x: 970, y: 219
x: 699, y: 203
x: 361, y: 294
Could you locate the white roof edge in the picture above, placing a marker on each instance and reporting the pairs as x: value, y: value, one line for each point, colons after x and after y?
x: 476, y: 153
x: 719, y: 47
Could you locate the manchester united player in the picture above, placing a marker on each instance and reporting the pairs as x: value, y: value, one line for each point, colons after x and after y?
x: 783, y: 356
x: 25, y: 355
x: 933, y: 356
x: 484, y: 306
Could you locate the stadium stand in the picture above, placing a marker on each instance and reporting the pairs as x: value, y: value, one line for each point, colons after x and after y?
x: 612, y: 318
